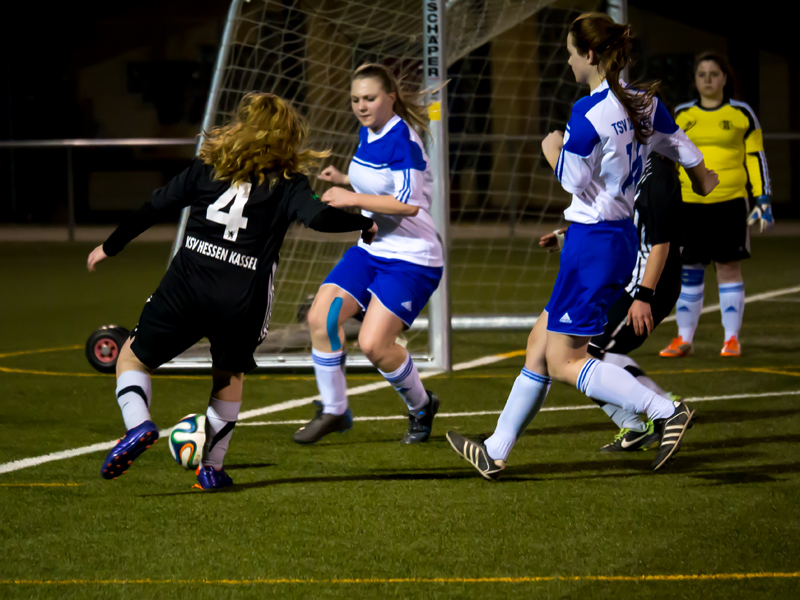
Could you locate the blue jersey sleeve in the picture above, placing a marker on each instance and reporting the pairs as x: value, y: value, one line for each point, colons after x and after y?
x: 576, y: 162
x: 663, y: 121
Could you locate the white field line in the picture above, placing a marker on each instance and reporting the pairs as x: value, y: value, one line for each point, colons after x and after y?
x: 553, y: 409
x: 25, y: 463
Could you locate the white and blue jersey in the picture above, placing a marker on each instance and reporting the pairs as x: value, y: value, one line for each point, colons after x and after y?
x: 392, y: 162
x: 600, y: 165
x: 601, y: 161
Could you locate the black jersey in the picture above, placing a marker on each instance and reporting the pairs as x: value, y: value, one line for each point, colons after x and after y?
x: 234, y: 233
x: 228, y: 256
x: 656, y: 216
x: 220, y: 283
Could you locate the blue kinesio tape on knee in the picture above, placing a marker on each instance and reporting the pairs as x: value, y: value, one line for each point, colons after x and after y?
x: 691, y: 276
x: 333, y: 324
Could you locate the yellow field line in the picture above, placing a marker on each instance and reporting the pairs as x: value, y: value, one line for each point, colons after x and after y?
x: 374, y: 580
x: 772, y: 371
x: 281, y: 377
x: 40, y: 351
x: 40, y: 484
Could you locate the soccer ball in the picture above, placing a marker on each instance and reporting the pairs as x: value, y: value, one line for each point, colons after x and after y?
x: 187, y: 439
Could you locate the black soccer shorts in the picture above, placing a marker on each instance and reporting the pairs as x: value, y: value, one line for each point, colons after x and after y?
x: 715, y: 232
x: 171, y: 323
x: 620, y: 338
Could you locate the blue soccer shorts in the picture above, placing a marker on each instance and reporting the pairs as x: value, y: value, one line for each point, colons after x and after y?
x: 596, y: 264
x: 404, y: 288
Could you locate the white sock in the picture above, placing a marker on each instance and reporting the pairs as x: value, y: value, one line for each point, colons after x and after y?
x: 624, y: 419
x: 526, y: 398
x: 630, y: 365
x: 133, y: 396
x: 331, y: 381
x: 221, y: 418
x: 690, y: 302
x: 613, y: 385
x: 407, y: 383
x: 731, y: 305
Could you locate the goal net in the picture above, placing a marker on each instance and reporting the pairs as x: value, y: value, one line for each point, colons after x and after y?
x: 509, y: 83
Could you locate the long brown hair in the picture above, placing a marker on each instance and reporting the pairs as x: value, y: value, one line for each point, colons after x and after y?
x: 724, y: 66
x: 265, y: 138
x: 611, y: 44
x: 406, y: 105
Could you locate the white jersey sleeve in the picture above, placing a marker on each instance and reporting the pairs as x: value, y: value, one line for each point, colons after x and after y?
x: 671, y: 141
x: 409, y: 177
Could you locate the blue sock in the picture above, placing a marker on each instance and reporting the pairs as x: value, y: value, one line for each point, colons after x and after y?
x: 526, y: 398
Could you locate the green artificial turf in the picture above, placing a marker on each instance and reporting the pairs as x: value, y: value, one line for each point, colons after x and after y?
x: 360, y: 509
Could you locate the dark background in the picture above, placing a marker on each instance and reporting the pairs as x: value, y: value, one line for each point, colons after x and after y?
x: 164, y: 53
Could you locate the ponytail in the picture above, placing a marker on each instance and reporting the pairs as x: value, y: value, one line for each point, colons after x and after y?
x: 612, y: 44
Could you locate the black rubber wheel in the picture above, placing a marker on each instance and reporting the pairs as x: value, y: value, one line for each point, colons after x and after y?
x: 103, y: 347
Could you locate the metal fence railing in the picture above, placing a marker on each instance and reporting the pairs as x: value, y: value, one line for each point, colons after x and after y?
x: 71, y: 145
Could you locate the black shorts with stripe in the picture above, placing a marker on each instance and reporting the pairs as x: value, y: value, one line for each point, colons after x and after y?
x: 173, y: 321
x: 715, y: 232
x: 620, y: 338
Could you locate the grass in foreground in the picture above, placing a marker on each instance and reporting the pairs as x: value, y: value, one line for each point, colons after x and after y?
x: 362, y: 506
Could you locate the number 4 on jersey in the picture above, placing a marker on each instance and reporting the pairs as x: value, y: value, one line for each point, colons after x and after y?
x: 233, y: 220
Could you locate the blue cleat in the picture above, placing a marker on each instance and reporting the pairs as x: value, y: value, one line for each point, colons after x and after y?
x: 134, y: 442
x: 208, y: 478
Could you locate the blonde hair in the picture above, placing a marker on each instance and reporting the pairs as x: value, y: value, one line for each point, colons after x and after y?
x: 406, y: 104
x: 266, y: 137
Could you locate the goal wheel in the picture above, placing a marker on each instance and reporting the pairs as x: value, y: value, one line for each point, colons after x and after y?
x: 103, y: 347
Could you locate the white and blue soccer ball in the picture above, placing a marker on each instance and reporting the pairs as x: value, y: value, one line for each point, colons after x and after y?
x: 187, y: 439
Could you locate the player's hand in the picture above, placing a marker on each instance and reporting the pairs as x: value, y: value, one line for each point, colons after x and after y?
x: 554, y: 241
x: 641, y: 316
x: 95, y: 256
x: 332, y: 174
x: 339, y: 198
x: 762, y: 214
x: 706, y: 184
x: 368, y: 235
x: 553, y: 142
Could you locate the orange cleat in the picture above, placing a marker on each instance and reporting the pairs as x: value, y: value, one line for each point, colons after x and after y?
x: 731, y: 347
x: 677, y: 349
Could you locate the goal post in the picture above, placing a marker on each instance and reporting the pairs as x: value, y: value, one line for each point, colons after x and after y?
x: 497, y: 81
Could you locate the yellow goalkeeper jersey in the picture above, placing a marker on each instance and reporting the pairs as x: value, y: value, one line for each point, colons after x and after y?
x: 732, y: 145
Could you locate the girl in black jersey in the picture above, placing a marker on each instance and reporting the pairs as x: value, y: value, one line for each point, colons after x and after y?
x: 246, y: 187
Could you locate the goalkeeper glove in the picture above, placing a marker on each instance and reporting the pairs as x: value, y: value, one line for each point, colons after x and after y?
x: 762, y: 214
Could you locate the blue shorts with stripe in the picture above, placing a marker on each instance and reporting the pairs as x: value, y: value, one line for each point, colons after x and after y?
x: 402, y: 287
x: 596, y: 264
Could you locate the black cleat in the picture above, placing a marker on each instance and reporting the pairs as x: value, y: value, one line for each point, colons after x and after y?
x: 671, y: 432
x: 475, y: 454
x: 420, y: 422
x: 321, y: 425
x: 628, y: 441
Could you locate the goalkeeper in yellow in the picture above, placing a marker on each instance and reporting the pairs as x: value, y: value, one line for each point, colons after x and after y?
x: 715, y: 227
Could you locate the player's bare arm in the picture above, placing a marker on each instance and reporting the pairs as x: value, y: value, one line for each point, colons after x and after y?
x: 385, y: 205
x: 703, y: 179
x: 333, y: 175
x: 640, y: 314
x: 551, y: 146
